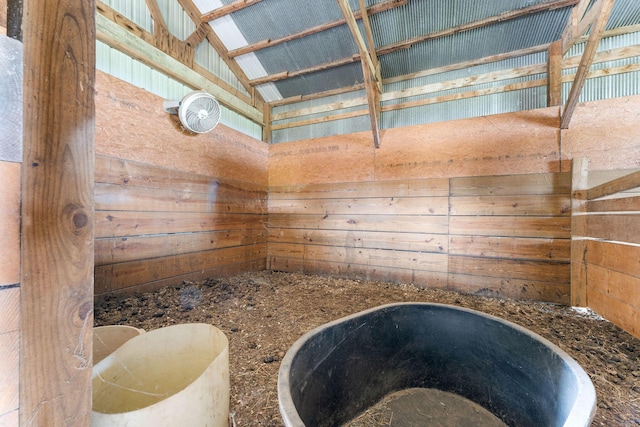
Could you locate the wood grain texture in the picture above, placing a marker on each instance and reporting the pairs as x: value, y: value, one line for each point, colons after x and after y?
x: 57, y: 213
x: 10, y: 223
x: 606, y: 132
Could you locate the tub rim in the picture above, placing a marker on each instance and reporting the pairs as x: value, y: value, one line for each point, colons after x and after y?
x: 581, y: 413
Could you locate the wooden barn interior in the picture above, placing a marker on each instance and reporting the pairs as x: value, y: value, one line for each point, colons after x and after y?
x: 506, y: 166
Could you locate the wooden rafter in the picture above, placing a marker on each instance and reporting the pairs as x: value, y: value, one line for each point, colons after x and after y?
x: 227, y: 10
x: 597, y: 19
x: 371, y: 10
x: 387, y: 49
x: 370, y: 66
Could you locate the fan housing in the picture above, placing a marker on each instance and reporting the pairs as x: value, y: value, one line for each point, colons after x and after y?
x: 199, y: 111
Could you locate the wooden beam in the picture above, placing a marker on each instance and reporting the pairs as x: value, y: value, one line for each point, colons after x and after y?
x: 56, y: 292
x: 365, y: 55
x: 579, y: 184
x: 600, y: 18
x: 227, y: 10
x: 158, y: 20
x: 571, y: 33
x: 138, y: 48
x: 554, y: 74
x: 370, y: 66
x: 371, y: 10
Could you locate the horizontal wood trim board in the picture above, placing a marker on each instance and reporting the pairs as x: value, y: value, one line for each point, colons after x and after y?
x: 110, y: 170
x: 362, y: 256
x: 616, y: 285
x: 432, y: 279
x: 391, y: 223
x: 432, y: 187
x: 622, y: 204
x: 614, y: 256
x: 127, y: 274
x: 523, y: 289
x: 544, y: 271
x: 525, y: 226
x: 119, y: 197
x: 528, y: 205
x: 621, y: 228
x: 623, y: 183
x: 131, y: 223
x: 506, y: 185
x: 511, y: 247
x: 381, y: 206
x: 362, y: 239
x: 124, y: 249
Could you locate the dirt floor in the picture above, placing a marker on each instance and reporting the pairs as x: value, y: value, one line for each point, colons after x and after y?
x: 263, y: 313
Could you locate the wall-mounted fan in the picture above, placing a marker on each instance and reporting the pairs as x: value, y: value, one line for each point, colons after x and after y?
x: 198, y: 111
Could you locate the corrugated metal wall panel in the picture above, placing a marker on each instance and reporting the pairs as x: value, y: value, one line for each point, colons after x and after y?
x: 135, y: 10
x: 178, y: 22
x: 612, y: 86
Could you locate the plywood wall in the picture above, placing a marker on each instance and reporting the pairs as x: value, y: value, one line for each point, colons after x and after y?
x: 9, y: 292
x: 496, y: 223
x: 170, y: 205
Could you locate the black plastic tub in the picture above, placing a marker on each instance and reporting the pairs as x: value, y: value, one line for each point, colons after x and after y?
x: 341, y: 369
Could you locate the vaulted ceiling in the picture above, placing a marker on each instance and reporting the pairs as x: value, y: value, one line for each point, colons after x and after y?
x: 285, y: 51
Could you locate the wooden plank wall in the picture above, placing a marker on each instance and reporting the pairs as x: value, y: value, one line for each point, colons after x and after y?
x: 172, y: 206
x: 393, y: 231
x: 483, y: 235
x: 509, y: 236
x: 612, y: 250
x: 157, y: 226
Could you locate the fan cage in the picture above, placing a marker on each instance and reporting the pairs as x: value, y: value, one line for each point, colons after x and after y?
x: 199, y: 112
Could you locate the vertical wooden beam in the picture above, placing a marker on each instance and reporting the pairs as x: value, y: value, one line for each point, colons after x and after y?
x: 554, y: 74
x: 579, y: 186
x: 600, y: 19
x: 56, y: 298
x: 266, y: 129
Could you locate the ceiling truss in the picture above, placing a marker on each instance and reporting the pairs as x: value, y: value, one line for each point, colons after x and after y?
x: 177, y: 59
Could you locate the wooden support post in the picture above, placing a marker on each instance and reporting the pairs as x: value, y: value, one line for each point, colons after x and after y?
x: 579, y: 185
x: 56, y: 298
x: 554, y: 74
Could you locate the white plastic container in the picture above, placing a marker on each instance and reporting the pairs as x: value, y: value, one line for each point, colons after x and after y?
x: 173, y: 376
x: 107, y: 339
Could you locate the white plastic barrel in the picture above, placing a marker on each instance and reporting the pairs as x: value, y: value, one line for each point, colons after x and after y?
x: 173, y: 376
x: 107, y: 339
